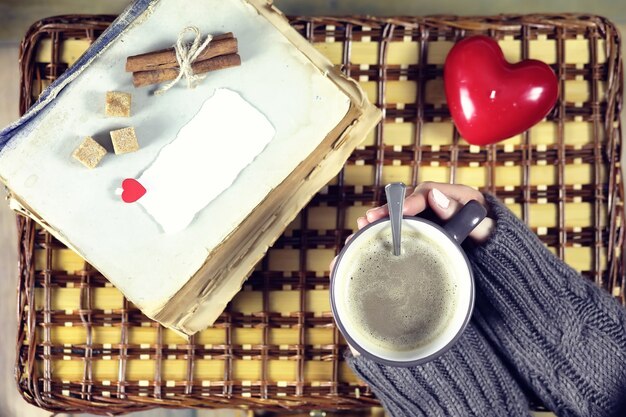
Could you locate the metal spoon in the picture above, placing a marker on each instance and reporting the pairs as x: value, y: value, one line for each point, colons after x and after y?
x: 395, y: 199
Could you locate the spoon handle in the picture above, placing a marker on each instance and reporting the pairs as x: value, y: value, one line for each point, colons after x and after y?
x: 395, y: 199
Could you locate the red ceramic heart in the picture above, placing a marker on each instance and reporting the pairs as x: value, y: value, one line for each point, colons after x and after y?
x: 490, y: 99
x: 132, y: 190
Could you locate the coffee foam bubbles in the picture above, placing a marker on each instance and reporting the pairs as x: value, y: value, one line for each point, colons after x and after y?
x: 400, y: 302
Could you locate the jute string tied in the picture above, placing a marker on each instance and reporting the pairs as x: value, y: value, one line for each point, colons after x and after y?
x: 186, y: 54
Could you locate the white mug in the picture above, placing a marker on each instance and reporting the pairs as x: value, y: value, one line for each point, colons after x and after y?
x: 448, y: 238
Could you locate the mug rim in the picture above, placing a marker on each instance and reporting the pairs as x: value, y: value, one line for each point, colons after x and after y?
x: 372, y: 356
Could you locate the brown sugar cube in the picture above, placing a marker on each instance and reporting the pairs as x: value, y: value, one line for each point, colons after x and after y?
x: 89, y: 153
x: 117, y: 104
x: 124, y: 140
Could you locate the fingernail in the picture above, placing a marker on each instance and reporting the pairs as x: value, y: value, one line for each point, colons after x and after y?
x: 441, y: 200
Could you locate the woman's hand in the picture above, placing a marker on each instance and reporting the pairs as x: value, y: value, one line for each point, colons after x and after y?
x: 444, y: 199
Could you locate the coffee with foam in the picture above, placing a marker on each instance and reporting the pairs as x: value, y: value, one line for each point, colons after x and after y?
x: 400, y: 303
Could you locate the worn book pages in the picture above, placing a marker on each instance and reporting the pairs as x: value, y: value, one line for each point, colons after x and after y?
x: 185, y: 278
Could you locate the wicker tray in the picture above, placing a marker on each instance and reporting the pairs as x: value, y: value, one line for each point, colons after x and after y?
x: 82, y: 347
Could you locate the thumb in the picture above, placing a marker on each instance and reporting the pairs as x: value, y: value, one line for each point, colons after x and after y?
x: 443, y: 206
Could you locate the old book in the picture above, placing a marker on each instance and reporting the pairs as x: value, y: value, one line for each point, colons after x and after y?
x: 225, y: 166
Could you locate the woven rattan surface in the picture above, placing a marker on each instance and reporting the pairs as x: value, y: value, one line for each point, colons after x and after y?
x: 82, y: 347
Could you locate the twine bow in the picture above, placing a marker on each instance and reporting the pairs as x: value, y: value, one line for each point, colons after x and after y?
x: 186, y: 54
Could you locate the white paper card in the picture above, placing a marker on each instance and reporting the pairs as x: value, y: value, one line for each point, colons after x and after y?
x: 206, y: 157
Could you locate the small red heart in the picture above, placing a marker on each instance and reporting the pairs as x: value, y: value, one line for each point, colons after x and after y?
x: 132, y: 190
x: 489, y: 98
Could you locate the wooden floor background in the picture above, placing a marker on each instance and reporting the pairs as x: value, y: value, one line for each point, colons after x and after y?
x: 17, y: 15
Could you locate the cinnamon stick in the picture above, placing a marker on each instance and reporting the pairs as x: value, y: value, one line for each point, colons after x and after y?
x: 224, y: 44
x: 143, y: 78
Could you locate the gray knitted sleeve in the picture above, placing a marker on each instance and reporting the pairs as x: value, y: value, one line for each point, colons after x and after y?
x: 565, y: 337
x: 467, y: 380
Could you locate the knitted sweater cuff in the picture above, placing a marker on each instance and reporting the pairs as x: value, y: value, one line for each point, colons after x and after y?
x: 467, y: 380
x: 564, y: 336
